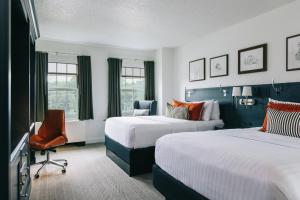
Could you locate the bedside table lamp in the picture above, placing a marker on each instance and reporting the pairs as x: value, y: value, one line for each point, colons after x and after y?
x: 236, y: 92
x: 247, y: 92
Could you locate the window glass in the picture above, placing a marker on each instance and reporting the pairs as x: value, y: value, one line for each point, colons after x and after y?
x: 128, y: 71
x: 61, y: 81
x: 51, y: 81
x: 136, y: 72
x: 142, y: 72
x: 52, y: 67
x: 72, y: 69
x: 61, y: 68
x: 62, y: 89
x: 72, y: 81
x: 132, y: 88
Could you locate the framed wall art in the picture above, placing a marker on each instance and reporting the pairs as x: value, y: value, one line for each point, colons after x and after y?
x: 197, y: 70
x: 219, y: 66
x: 293, y: 53
x: 252, y: 59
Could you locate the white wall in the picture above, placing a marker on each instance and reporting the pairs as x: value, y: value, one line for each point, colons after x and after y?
x: 164, y: 77
x: 272, y: 28
x: 92, y: 130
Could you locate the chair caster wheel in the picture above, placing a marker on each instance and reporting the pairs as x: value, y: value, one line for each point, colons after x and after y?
x: 65, y: 164
x: 36, y: 176
x: 63, y: 171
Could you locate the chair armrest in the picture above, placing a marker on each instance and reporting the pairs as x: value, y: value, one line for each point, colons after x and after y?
x: 153, y: 108
x: 136, y: 105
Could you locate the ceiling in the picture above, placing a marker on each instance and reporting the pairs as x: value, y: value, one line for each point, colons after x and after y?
x: 142, y: 24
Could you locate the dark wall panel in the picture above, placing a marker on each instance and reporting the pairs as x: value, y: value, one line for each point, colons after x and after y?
x: 5, y: 97
x: 240, y: 116
x: 19, y: 74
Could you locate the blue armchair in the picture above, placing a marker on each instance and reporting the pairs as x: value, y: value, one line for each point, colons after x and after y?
x: 151, y: 105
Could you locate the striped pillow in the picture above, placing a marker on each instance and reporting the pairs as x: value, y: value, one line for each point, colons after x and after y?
x: 279, y: 105
x: 283, y: 123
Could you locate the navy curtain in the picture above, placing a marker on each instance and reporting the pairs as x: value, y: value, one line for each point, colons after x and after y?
x: 149, y: 80
x: 114, y: 91
x: 41, y: 87
x: 85, y: 88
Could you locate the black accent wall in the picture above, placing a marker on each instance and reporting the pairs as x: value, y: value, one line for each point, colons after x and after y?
x: 240, y: 116
x: 5, y: 97
x: 20, y: 51
x: 17, y: 37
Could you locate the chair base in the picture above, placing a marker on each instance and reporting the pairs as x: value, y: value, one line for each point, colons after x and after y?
x: 49, y: 161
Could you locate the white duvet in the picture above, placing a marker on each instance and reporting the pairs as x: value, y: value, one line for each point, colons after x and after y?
x: 234, y: 164
x: 143, y: 131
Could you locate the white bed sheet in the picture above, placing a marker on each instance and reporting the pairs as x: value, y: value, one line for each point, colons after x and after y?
x: 234, y: 164
x: 143, y: 131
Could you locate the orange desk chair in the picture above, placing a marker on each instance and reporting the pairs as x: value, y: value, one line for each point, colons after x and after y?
x: 50, y: 135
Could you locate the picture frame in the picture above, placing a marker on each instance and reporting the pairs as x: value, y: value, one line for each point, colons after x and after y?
x: 197, y: 70
x: 293, y: 53
x: 253, y: 59
x: 219, y: 66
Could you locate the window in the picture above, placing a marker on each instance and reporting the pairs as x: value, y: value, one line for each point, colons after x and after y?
x: 132, y: 88
x: 62, y: 88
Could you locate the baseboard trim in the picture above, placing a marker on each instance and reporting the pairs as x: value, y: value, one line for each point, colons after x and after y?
x: 83, y: 143
x: 100, y: 140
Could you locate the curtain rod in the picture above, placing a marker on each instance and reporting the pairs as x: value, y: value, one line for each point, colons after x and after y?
x: 55, y: 52
x: 73, y: 54
x: 133, y: 59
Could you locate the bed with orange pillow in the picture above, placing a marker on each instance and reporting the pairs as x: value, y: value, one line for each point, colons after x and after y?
x: 234, y: 163
x: 130, y: 141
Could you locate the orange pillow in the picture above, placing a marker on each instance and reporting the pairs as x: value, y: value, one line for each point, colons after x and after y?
x: 195, y: 109
x: 176, y: 103
x: 281, y: 107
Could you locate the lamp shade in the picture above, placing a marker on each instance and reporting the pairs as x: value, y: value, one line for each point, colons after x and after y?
x: 247, y: 91
x: 236, y: 91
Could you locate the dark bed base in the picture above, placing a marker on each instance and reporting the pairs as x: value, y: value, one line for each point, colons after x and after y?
x: 171, y: 188
x: 132, y: 161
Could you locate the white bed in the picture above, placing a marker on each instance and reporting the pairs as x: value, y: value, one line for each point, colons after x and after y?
x: 233, y: 164
x: 143, y: 131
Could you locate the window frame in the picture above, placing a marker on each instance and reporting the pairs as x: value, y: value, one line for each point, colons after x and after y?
x: 131, y: 89
x: 66, y: 74
x: 140, y: 68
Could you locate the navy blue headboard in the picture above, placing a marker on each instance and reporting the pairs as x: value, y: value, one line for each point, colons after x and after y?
x: 240, y: 116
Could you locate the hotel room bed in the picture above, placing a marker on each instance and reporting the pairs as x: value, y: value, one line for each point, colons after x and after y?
x: 130, y: 140
x: 227, y: 164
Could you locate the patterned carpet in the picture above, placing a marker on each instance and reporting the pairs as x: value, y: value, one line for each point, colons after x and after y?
x: 90, y: 175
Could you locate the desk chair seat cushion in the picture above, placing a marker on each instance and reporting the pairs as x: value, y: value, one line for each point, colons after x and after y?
x: 38, y: 143
x: 52, y: 132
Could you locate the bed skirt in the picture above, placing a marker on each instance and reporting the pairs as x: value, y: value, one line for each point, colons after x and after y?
x: 132, y: 161
x: 171, y: 188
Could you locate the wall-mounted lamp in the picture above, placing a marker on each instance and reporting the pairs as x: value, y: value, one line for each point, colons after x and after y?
x: 236, y: 92
x: 247, y: 92
x: 223, y: 91
x: 276, y: 88
x: 189, y: 92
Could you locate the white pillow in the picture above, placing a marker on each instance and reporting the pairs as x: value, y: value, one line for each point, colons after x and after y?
x: 207, y: 110
x: 215, y: 115
x: 283, y: 102
x: 140, y: 112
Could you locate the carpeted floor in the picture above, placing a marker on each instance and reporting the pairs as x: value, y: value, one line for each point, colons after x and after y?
x: 90, y: 175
